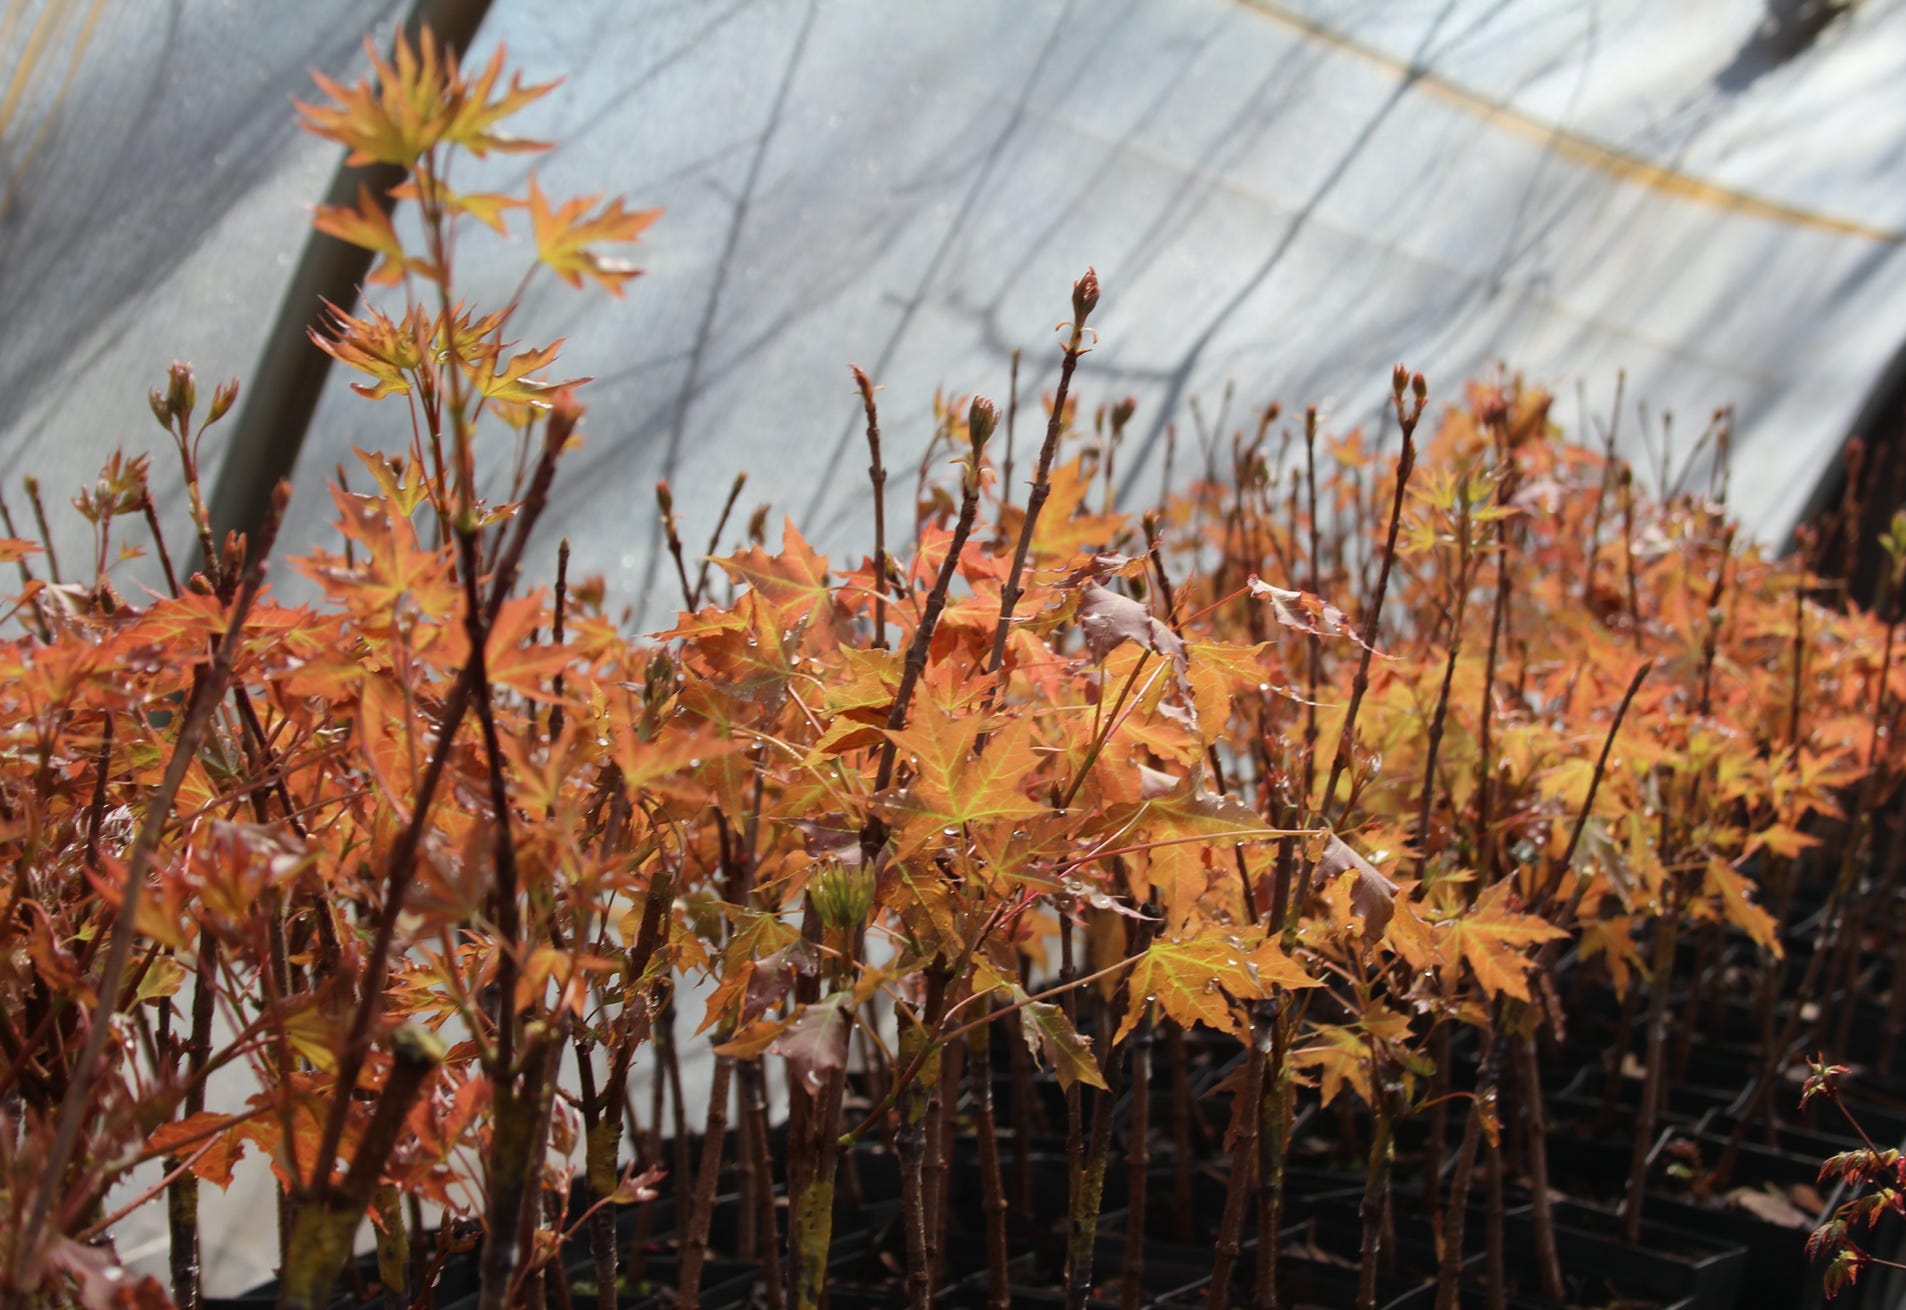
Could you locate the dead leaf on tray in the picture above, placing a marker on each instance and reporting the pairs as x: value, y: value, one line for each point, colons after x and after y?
x: 1770, y: 1205
x: 1807, y: 1198
x: 1306, y: 1248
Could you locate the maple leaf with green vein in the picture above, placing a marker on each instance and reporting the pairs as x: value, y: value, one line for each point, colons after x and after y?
x: 1216, y: 672
x: 952, y: 786
x: 1341, y: 1057
x: 795, y: 580
x: 856, y: 702
x: 1195, y: 981
x: 1050, y: 1034
x: 1491, y: 933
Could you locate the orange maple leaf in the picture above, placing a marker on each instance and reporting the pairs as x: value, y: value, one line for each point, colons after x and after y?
x: 952, y: 786
x: 563, y: 236
x: 1195, y: 981
x: 367, y: 225
x: 1491, y: 935
x: 418, y: 100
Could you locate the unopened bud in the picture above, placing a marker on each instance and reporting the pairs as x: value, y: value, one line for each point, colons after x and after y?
x: 665, y: 497
x: 234, y: 555
x: 658, y: 679
x: 1122, y: 412
x: 1419, y: 388
x: 182, y: 392
x: 981, y: 419
x: 1085, y: 296
x: 843, y: 897
x: 223, y: 397
x: 1399, y: 381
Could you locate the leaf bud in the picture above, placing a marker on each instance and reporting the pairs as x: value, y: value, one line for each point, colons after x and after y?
x: 223, y: 397
x: 182, y: 392
x: 658, y: 680
x: 1085, y: 296
x: 1419, y: 387
x: 981, y: 419
x: 1122, y: 412
x: 1399, y: 381
x: 843, y: 897
x: 234, y: 552
x: 665, y: 497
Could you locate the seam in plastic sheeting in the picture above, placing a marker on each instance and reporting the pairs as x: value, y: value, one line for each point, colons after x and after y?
x: 1611, y: 161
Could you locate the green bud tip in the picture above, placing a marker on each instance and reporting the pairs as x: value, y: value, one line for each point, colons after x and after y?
x: 981, y: 419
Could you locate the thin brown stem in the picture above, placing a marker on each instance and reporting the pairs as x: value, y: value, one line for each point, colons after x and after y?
x: 877, y: 475
x: 197, y: 720
x: 1085, y: 298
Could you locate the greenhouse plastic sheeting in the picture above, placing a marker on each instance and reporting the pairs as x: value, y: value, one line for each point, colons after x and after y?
x: 1288, y: 197
x: 154, y: 191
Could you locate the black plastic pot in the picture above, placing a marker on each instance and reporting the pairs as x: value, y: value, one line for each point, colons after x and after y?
x: 1305, y: 1284
x: 1581, y: 1098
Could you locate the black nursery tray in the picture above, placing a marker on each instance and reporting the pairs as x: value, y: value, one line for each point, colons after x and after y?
x: 1670, y: 1265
